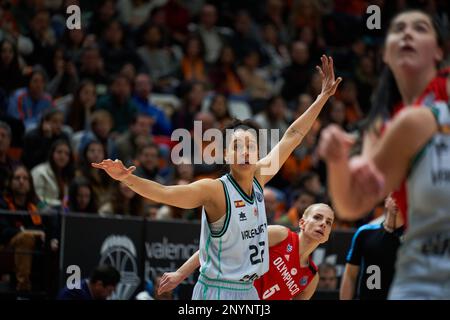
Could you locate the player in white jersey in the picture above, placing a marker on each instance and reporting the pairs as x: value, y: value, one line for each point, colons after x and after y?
x: 415, y: 148
x: 233, y: 244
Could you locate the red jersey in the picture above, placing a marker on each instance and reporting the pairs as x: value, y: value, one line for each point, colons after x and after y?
x: 285, y: 278
x: 435, y: 91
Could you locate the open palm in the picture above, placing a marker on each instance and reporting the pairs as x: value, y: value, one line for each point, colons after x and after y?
x: 115, y: 169
x: 329, y: 83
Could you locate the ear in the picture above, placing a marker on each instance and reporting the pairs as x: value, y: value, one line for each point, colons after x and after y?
x: 301, y: 224
x: 439, y: 55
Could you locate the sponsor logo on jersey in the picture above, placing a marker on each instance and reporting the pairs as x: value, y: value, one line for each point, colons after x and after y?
x: 304, y: 281
x: 289, y: 248
x: 286, y: 276
x: 294, y: 271
x: 239, y: 203
x: 242, y: 216
x: 259, y: 197
x: 251, y: 233
x: 286, y: 256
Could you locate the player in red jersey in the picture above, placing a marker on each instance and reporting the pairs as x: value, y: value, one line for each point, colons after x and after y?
x: 292, y: 273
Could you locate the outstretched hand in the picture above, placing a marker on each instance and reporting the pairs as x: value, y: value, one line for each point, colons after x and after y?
x: 115, y: 169
x: 329, y: 83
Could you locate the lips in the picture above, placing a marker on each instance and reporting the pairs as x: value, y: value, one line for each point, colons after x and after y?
x: 320, y: 232
x: 407, y: 48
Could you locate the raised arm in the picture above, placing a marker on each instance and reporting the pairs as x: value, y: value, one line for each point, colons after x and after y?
x: 188, y: 196
x: 170, y: 280
x: 271, y: 164
x: 358, y: 184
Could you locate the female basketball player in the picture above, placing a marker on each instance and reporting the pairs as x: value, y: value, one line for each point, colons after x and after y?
x: 292, y: 273
x: 233, y: 241
x: 415, y: 147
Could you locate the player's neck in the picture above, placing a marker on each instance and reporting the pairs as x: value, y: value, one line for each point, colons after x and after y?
x: 244, y: 181
x: 412, y: 90
x: 305, y: 247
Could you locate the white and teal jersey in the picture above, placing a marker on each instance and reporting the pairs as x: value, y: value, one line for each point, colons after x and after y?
x: 239, y: 253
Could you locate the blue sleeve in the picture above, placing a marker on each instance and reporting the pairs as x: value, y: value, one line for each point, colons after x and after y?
x: 163, y: 124
x: 13, y: 109
x: 354, y: 253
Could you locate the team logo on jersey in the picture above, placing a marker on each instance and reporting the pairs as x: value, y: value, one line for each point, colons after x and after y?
x: 304, y: 281
x: 289, y: 248
x: 242, y: 216
x: 255, y: 211
x: 239, y: 204
x: 294, y: 271
x: 259, y: 197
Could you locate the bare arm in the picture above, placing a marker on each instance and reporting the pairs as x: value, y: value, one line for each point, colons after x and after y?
x: 276, y: 234
x: 355, y: 191
x: 310, y: 289
x: 271, y: 164
x: 170, y: 280
x: 188, y: 196
x: 348, y: 284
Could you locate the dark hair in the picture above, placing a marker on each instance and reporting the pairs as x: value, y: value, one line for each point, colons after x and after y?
x: 194, y: 37
x: 244, y: 125
x: 151, y: 145
x: 37, y: 70
x: 66, y: 174
x: 299, y: 192
x: 15, y: 60
x: 108, y: 275
x: 387, y: 95
x: 327, y: 266
x: 120, y: 206
x: 77, y: 112
x: 88, y: 171
x: 31, y: 197
x: 76, y: 184
x: 213, y: 101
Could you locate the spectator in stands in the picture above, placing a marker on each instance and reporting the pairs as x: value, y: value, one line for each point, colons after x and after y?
x: 99, y: 286
x: 193, y: 66
x: 98, y: 181
x: 82, y: 198
x: 11, y: 72
x: 63, y: 75
x: 124, y: 201
x: 213, y: 37
x: 52, y: 178
x: 302, y: 199
x: 337, y: 115
x: 253, y: 77
x: 298, y: 74
x: 38, y: 141
x: 23, y: 233
x: 148, y: 163
x: 115, y: 50
x: 183, y: 171
x: 327, y: 277
x: 6, y: 163
x: 142, y: 91
x: 118, y: 102
x: 43, y: 38
x: 223, y: 75
x: 92, y: 68
x: 348, y: 95
x: 310, y: 181
x: 272, y: 205
x: 245, y: 38
x: 219, y: 108
x: 28, y: 104
x: 158, y: 60
x: 193, y: 100
x: 137, y: 136
x: 101, y: 124
x: 373, y: 245
x: 73, y: 41
x: 105, y: 12
x: 82, y: 107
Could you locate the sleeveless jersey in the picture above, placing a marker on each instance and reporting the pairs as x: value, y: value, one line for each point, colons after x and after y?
x: 285, y: 278
x: 234, y: 257
x: 435, y: 91
x: 423, y: 260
